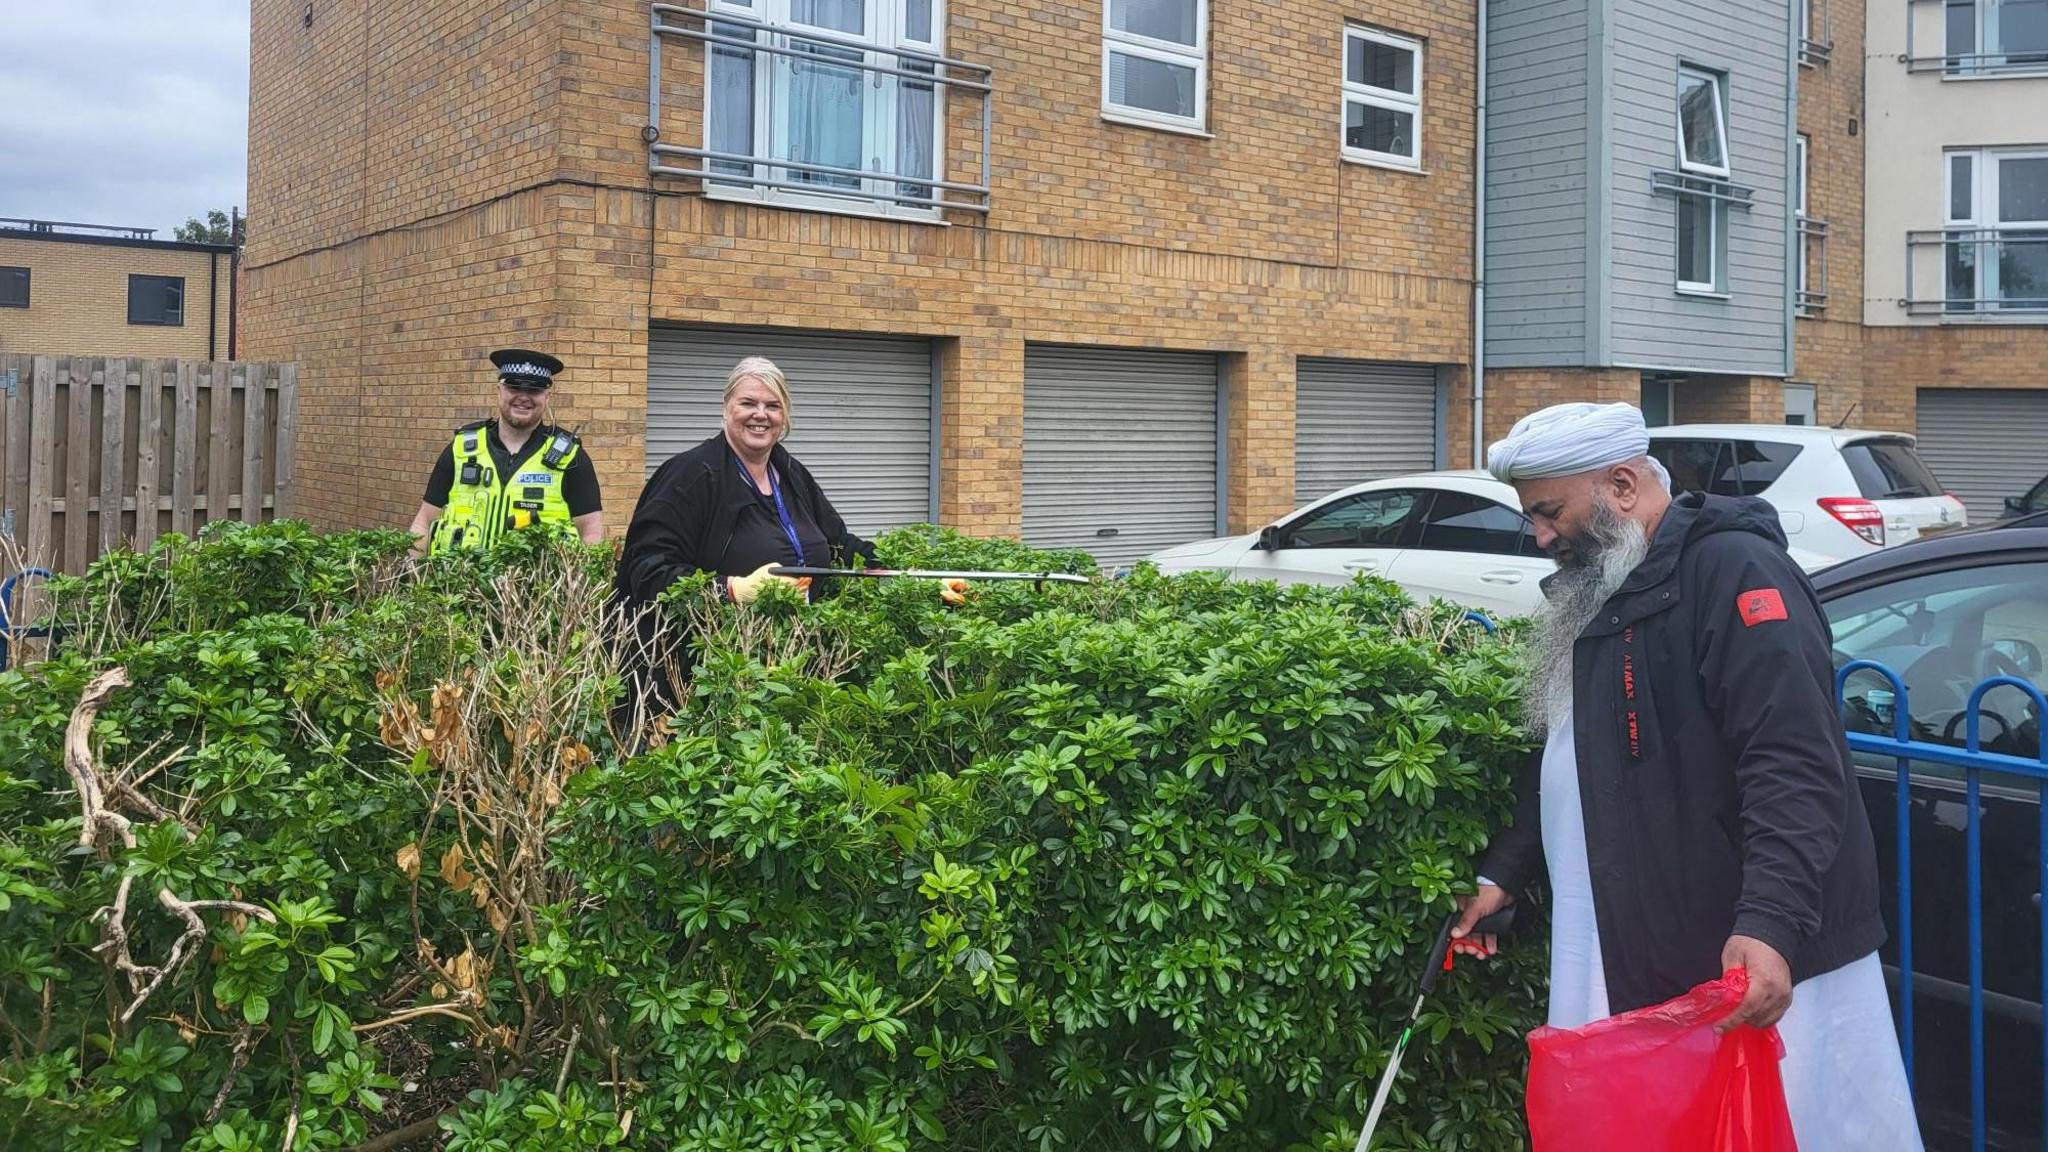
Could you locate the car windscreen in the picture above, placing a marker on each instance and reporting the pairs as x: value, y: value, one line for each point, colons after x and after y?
x: 1889, y: 470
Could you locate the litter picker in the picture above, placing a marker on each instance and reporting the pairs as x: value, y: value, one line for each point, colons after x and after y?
x: 1435, y: 964
x: 1038, y: 578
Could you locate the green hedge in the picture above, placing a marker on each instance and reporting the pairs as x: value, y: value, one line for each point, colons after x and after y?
x: 1146, y: 864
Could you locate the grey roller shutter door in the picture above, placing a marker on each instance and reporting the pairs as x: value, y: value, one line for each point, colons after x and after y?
x: 1119, y: 450
x: 1356, y: 420
x: 1984, y: 444
x: 863, y: 419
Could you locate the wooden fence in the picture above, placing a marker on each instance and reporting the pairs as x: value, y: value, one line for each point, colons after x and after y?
x: 100, y: 451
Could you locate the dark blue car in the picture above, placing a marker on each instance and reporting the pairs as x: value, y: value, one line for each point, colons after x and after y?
x: 1948, y: 612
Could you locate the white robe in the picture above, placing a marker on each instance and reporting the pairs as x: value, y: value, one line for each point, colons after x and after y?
x: 1845, y: 1081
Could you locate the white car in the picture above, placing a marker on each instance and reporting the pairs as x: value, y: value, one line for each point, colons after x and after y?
x: 1839, y: 492
x: 1456, y: 536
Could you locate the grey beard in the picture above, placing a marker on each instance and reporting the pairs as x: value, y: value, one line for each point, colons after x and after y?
x: 1613, y: 546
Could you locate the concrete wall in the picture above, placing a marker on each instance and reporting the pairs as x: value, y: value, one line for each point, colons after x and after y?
x: 1914, y: 118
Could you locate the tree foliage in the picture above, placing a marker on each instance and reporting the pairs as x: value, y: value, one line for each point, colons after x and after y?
x: 1148, y: 864
x: 217, y: 228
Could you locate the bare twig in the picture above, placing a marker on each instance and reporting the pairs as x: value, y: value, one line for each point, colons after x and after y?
x: 243, y: 1036
x: 452, y: 1011
x: 400, y: 1137
x: 568, y: 1057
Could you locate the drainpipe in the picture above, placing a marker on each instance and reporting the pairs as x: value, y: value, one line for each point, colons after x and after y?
x: 234, y: 275
x: 212, y: 305
x: 1479, y: 252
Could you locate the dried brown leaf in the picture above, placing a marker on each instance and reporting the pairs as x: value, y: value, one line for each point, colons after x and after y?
x: 458, y: 877
x: 409, y: 861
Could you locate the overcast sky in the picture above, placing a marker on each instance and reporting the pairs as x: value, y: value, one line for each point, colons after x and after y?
x: 130, y: 112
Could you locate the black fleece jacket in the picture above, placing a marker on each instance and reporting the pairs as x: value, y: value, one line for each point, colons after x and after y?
x: 685, y: 519
x: 1718, y: 793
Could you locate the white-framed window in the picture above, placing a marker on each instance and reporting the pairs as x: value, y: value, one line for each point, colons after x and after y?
x: 1802, y: 404
x: 863, y: 137
x: 1155, y: 62
x: 1702, y: 216
x: 1996, y: 35
x: 1800, y: 149
x: 1382, y: 98
x: 1995, y: 214
x: 1702, y: 122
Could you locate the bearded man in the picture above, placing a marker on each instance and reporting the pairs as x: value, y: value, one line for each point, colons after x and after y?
x: 1694, y: 806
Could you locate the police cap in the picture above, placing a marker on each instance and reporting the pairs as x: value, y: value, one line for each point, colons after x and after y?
x: 521, y: 368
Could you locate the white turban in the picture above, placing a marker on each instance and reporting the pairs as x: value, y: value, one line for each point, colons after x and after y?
x: 1567, y: 439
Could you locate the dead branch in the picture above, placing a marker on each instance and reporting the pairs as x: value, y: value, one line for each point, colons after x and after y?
x: 452, y: 1011
x: 143, y: 979
x: 243, y: 1036
x: 400, y: 1137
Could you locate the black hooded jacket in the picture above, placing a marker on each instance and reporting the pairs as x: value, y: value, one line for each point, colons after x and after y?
x: 1718, y: 793
x: 687, y: 511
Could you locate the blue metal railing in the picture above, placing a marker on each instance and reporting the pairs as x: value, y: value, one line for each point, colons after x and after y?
x: 8, y: 631
x: 1974, y: 761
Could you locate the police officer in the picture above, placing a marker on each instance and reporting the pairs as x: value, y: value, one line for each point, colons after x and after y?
x: 512, y: 472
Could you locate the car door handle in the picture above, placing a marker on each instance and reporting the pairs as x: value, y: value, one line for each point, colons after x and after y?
x: 1501, y: 577
x: 1361, y: 565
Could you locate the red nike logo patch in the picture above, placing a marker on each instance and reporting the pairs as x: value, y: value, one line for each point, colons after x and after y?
x: 1760, y: 605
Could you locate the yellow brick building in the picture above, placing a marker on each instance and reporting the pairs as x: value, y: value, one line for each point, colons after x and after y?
x: 74, y: 290
x: 1178, y: 229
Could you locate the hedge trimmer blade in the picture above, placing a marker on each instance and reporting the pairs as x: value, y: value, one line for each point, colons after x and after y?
x: 1436, y: 964
x: 920, y: 574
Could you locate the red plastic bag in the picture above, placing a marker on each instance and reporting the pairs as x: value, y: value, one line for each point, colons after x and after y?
x: 1659, y: 1080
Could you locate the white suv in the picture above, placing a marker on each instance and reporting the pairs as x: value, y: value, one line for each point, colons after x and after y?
x: 1839, y: 493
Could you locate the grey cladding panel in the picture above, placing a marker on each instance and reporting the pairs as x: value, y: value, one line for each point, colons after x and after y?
x: 1652, y: 323
x: 1358, y: 420
x: 1119, y: 450
x: 1985, y: 444
x: 862, y: 410
x: 1536, y: 182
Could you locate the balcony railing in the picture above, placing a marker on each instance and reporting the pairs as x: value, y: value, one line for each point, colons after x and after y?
x: 1982, y: 274
x: 1816, y: 40
x: 1667, y: 183
x: 898, y: 178
x: 1813, y: 257
x: 2006, y: 60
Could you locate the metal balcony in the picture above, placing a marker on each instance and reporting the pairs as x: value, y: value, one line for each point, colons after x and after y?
x: 2030, y: 61
x: 1986, y: 275
x: 1813, y: 256
x: 883, y: 182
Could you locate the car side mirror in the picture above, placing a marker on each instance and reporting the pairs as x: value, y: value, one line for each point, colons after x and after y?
x: 2014, y: 505
x: 2024, y: 654
x: 1269, y: 539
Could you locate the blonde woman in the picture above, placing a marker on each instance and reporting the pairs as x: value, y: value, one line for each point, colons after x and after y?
x: 735, y: 505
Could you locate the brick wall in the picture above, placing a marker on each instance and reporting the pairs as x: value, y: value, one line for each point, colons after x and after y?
x: 387, y: 258
x: 1728, y: 400
x: 78, y: 300
x: 1828, y: 344
x: 1903, y: 360
x: 1512, y: 393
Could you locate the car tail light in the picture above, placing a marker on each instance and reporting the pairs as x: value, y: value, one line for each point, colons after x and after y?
x: 1857, y: 515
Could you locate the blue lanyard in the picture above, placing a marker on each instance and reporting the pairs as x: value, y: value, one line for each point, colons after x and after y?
x: 781, y: 512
